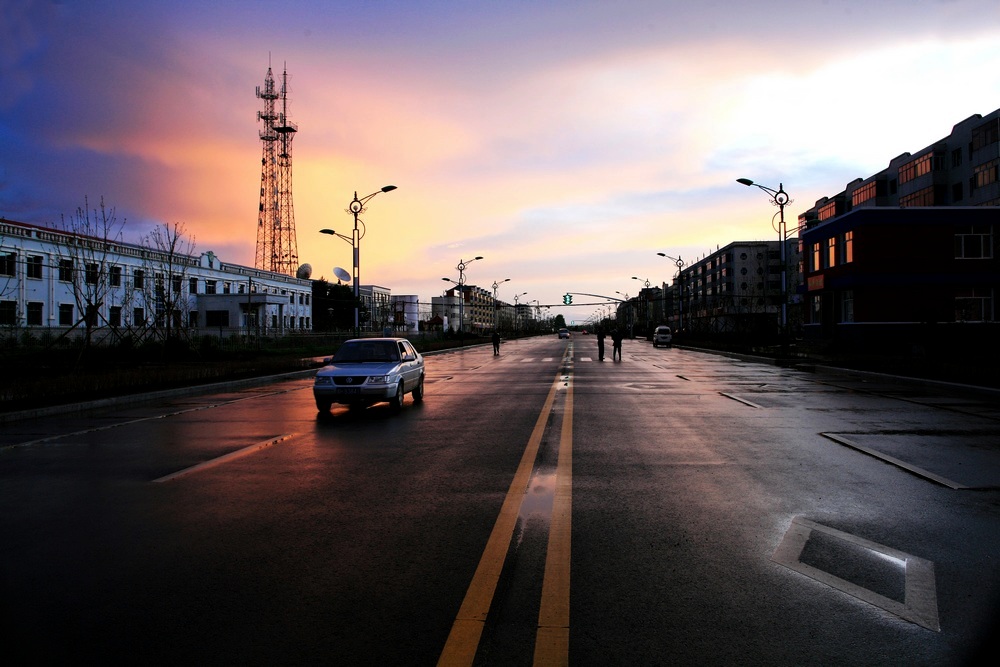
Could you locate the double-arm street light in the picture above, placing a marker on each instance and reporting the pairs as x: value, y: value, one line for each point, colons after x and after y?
x: 679, y: 263
x: 462, y: 264
x: 357, y: 207
x: 517, y: 312
x: 645, y: 281
x: 779, y: 198
x: 496, y: 286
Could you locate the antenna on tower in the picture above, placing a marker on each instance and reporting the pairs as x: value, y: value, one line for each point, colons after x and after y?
x: 277, y: 249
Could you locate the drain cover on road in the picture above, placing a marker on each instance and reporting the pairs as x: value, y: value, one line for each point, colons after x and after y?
x: 897, y: 582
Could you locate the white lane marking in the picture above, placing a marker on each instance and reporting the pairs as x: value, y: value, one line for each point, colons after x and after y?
x: 107, y: 427
x: 225, y: 457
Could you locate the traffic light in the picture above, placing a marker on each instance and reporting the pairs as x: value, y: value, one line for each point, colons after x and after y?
x: 567, y: 299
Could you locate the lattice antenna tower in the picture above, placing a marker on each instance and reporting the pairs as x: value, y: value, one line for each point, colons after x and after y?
x: 277, y: 249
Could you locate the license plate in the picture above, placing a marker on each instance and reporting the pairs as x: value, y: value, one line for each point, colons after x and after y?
x: 348, y: 390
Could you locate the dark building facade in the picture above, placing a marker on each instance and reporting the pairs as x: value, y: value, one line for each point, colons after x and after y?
x: 911, y: 246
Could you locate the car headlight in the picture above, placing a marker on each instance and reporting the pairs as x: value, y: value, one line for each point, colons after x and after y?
x: 323, y: 380
x: 378, y: 379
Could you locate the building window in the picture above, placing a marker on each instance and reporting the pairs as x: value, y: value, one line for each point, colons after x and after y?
x: 956, y: 157
x: 847, y: 248
x: 193, y: 286
x: 115, y: 316
x: 974, y: 305
x: 8, y: 264
x: 816, y: 309
x: 91, y: 273
x: 827, y: 211
x: 115, y: 276
x: 66, y: 315
x: 847, y: 306
x: 217, y: 318
x: 177, y: 283
x: 35, y: 311
x: 831, y: 251
x: 8, y: 313
x: 210, y: 286
x: 66, y: 270
x: 139, y: 278
x: 193, y: 319
x: 35, y: 266
x: 923, y: 197
x: 974, y: 242
x: 984, y: 135
x: 815, y: 257
x: 227, y: 288
x: 865, y: 193
x: 138, y: 316
x: 914, y: 168
x: 985, y: 173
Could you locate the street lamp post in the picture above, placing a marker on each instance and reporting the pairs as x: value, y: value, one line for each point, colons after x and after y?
x: 645, y: 304
x: 357, y: 207
x: 779, y: 198
x: 679, y: 263
x: 496, y: 311
x: 462, y: 264
x: 517, y: 313
x: 629, y: 315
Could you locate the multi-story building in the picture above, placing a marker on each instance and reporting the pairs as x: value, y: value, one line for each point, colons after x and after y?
x: 473, y: 303
x: 737, y: 289
x: 56, y: 280
x: 913, y: 244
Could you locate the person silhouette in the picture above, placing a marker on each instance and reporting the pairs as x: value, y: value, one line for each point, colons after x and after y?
x: 616, y: 344
x: 496, y: 342
x: 600, y: 344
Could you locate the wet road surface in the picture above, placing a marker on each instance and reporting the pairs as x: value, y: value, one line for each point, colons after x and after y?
x: 540, y: 506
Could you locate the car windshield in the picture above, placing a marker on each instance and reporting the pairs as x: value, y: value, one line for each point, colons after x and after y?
x: 360, y: 352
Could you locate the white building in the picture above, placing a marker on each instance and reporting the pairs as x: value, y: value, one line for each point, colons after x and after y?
x: 56, y: 280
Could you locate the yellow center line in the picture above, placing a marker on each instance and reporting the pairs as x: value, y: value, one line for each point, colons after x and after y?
x: 552, y: 639
x: 463, y: 640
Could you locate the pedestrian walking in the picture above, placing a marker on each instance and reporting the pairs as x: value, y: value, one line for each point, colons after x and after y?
x: 600, y: 344
x: 496, y: 342
x: 616, y: 344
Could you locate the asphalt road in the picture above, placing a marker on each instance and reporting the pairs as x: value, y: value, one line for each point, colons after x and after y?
x: 671, y: 508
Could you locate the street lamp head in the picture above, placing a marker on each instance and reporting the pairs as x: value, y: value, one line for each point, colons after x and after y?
x: 327, y: 231
x: 477, y: 258
x: 744, y: 181
x: 388, y: 188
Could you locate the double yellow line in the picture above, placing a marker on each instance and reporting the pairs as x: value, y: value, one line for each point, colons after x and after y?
x: 552, y: 636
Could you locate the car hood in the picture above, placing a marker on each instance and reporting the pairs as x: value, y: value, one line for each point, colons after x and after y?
x: 359, y: 368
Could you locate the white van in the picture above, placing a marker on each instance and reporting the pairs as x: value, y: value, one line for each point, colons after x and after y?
x: 663, y: 336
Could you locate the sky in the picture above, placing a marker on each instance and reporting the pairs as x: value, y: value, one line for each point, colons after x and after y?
x: 565, y: 142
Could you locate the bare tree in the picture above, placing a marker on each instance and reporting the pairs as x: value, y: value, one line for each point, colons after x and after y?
x: 85, y: 260
x: 169, y: 257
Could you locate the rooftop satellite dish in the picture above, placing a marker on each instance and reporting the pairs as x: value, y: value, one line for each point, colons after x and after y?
x: 305, y: 272
x: 341, y: 274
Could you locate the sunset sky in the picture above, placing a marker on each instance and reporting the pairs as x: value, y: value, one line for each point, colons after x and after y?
x: 567, y: 142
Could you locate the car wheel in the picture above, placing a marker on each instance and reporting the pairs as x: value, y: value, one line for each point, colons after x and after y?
x: 418, y: 391
x: 323, y: 405
x: 397, y: 401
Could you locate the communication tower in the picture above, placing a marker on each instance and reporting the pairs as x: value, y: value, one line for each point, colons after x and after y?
x: 276, y: 246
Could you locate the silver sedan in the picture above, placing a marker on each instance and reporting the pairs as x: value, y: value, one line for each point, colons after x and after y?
x: 365, y: 371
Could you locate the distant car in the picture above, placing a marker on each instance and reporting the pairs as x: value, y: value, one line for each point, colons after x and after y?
x: 663, y: 336
x: 365, y: 371
x: 564, y: 333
